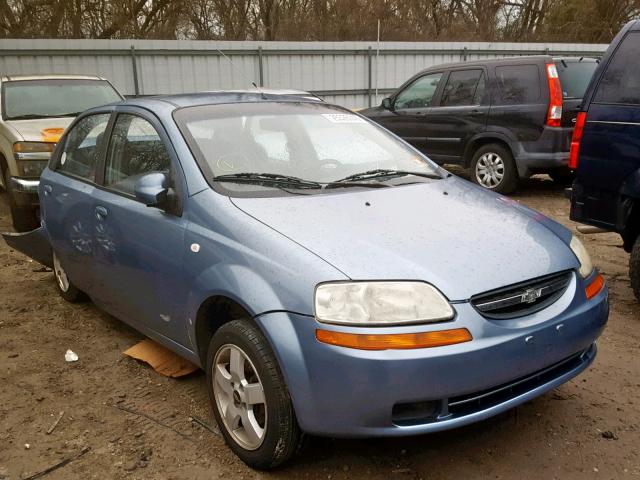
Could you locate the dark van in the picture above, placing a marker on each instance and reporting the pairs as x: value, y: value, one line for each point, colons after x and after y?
x: 605, y: 150
x: 504, y: 119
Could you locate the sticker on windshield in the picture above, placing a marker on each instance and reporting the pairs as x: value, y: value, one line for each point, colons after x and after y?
x: 342, y: 118
x: 63, y: 158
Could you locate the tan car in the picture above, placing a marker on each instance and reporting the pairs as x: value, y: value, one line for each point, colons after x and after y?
x: 35, y: 111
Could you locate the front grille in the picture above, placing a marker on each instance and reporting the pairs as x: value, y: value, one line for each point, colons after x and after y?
x: 522, y: 298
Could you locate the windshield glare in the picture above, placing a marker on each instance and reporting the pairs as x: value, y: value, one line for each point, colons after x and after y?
x: 54, y: 98
x: 310, y: 141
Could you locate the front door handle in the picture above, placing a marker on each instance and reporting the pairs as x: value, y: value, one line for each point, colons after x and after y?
x: 101, y: 213
x: 48, y: 189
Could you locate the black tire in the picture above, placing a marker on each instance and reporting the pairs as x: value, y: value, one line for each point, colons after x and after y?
x: 562, y: 176
x: 509, y: 180
x: 282, y: 436
x: 66, y: 288
x: 24, y: 219
x: 634, y: 268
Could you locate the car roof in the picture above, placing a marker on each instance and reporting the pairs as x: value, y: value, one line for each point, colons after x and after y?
x: 224, y: 96
x: 12, y: 78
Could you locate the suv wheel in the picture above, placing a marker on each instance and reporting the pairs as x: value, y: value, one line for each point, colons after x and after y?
x: 24, y: 218
x: 493, y: 168
x: 249, y: 397
x: 67, y: 290
x: 634, y: 268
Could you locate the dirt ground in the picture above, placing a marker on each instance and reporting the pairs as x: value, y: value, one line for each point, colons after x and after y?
x: 126, y: 421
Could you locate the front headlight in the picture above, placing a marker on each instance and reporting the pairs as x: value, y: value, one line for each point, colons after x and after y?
x: 586, y: 265
x: 33, y: 150
x: 380, y: 303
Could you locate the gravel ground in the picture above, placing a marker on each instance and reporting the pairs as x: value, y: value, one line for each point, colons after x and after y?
x: 122, y: 420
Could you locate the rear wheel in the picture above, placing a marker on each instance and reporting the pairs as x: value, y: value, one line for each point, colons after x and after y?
x: 24, y: 218
x: 67, y: 290
x: 249, y: 397
x: 634, y: 268
x: 493, y: 168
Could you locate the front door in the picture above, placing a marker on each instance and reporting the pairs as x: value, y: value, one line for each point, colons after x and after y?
x: 410, y: 108
x: 140, y: 248
x: 460, y: 114
x: 67, y: 199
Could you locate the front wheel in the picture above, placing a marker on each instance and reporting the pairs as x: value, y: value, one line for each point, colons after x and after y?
x: 249, y: 397
x: 634, y: 268
x: 67, y: 290
x: 493, y: 168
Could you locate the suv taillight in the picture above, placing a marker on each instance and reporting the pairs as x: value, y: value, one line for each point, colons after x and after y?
x: 554, y: 115
x: 576, y: 139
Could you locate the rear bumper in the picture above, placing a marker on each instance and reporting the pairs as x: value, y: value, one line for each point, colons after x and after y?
x: 345, y: 392
x: 550, y: 151
x: 25, y: 191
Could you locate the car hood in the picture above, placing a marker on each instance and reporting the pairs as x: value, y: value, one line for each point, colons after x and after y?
x: 40, y: 129
x: 449, y: 233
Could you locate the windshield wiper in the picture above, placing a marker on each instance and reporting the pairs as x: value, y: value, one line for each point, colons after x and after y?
x: 268, y: 178
x: 382, y: 172
x: 31, y: 116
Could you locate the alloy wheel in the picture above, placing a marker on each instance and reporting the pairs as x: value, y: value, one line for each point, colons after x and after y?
x: 490, y: 170
x: 61, y: 275
x: 239, y: 396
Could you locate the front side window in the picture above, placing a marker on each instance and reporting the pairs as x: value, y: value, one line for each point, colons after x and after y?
x: 314, y: 142
x: 518, y: 84
x: 24, y: 99
x: 83, y: 147
x: 621, y: 81
x: 461, y: 88
x: 135, y: 150
x: 420, y: 93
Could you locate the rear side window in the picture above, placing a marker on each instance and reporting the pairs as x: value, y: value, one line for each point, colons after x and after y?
x: 461, y: 88
x: 420, y: 93
x: 575, y: 76
x: 518, y: 84
x: 83, y: 147
x: 621, y: 81
x: 135, y: 150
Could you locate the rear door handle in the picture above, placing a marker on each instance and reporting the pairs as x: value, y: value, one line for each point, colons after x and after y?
x: 101, y: 213
x: 47, y: 189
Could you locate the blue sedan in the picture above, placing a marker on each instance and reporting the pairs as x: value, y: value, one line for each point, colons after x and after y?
x: 329, y: 278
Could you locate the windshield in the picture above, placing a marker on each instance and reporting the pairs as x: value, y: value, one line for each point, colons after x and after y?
x: 23, y: 99
x: 575, y: 76
x: 312, y: 142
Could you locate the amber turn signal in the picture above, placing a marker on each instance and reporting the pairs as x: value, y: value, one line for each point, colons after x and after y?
x: 596, y: 285
x: 399, y: 341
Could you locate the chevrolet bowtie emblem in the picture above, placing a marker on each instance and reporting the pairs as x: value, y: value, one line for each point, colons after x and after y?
x: 530, y: 295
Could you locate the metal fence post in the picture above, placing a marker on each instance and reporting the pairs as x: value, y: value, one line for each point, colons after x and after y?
x: 134, y: 67
x: 370, y: 81
x: 464, y: 54
x: 260, y: 67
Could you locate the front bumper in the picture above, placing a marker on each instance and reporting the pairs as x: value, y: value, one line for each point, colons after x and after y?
x: 345, y: 392
x: 25, y: 191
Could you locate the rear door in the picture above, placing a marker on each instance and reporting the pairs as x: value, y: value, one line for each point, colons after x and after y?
x: 140, y: 249
x: 610, y: 147
x: 410, y: 107
x: 68, y: 198
x: 460, y: 114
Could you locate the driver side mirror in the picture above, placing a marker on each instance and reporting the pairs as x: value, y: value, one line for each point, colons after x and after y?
x: 152, y: 189
x: 386, y: 104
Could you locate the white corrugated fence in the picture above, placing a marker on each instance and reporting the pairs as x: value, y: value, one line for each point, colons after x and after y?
x: 347, y: 73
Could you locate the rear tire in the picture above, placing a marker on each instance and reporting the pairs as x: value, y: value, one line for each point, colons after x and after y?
x: 493, y: 168
x: 272, y: 436
x: 67, y: 290
x: 634, y: 268
x: 24, y: 219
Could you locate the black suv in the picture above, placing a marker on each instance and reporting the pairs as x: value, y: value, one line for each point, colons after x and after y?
x: 505, y: 119
x: 605, y: 150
